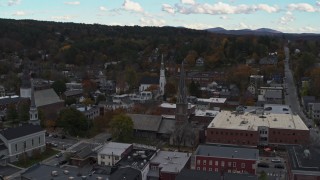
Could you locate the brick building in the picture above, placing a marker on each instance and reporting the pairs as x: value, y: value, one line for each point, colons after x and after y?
x: 254, y: 129
x: 225, y: 159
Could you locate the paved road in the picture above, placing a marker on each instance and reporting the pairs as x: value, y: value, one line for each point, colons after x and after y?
x: 62, y: 143
x: 291, y: 98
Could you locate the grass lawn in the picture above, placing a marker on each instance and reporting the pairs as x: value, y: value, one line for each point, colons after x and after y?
x: 29, y: 161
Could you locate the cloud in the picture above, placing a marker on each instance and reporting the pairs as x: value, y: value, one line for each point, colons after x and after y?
x: 19, y: 13
x: 132, y: 6
x: 72, y: 3
x: 267, y: 8
x: 61, y: 18
x: 188, y: 2
x: 168, y: 8
x: 13, y: 2
x: 301, y: 7
x: 318, y: 3
x: 307, y: 29
x: 287, y: 18
x: 151, y: 22
x: 199, y: 26
x: 243, y: 26
x: 102, y: 8
x: 224, y: 17
x: 224, y: 8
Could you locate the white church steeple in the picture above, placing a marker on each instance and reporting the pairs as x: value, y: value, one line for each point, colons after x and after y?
x: 162, y: 79
x: 33, y: 112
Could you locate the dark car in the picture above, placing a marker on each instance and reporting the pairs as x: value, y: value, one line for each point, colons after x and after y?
x: 264, y: 165
x: 279, y: 166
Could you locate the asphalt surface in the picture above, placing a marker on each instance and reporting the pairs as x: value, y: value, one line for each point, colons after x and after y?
x: 292, y: 99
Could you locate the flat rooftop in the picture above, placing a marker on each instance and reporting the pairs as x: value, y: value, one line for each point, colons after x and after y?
x: 173, y: 106
x: 250, y: 121
x: 228, y: 152
x: 207, y: 113
x: 171, y: 162
x: 212, y: 100
x: 137, y: 158
x: 304, y: 159
x: 114, y: 148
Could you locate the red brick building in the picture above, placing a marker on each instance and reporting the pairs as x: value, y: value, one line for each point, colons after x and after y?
x: 225, y: 159
x: 257, y: 129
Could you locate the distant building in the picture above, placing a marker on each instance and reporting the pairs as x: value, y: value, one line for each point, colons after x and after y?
x: 257, y: 128
x: 314, y: 111
x: 90, y: 112
x: 225, y: 159
x: 147, y: 82
x: 188, y: 174
x: 166, y: 165
x: 2, y: 91
x: 113, y: 152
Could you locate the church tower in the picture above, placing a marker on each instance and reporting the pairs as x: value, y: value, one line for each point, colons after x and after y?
x: 182, y: 104
x: 33, y: 112
x: 162, y: 79
x: 25, y: 88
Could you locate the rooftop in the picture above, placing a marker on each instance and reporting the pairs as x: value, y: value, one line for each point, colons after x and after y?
x: 114, y: 148
x: 208, y: 113
x: 227, y: 152
x: 188, y: 174
x: 46, y: 97
x: 213, y: 100
x: 45, y: 172
x: 146, y: 122
x: 20, y: 131
x: 304, y: 159
x: 138, y: 158
x: 249, y: 121
x: 173, y: 106
x: 172, y: 162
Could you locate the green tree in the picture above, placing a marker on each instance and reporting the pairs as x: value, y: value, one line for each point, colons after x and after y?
x: 122, y: 127
x: 59, y: 87
x: 73, y: 122
x: 194, y: 89
x: 263, y: 176
x: 12, y: 114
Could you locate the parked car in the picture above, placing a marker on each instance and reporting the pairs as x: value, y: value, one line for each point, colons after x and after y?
x: 54, y: 144
x: 264, y: 165
x: 58, y: 155
x: 279, y: 166
x: 276, y: 160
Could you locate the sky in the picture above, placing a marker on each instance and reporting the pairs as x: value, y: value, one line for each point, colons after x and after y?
x: 290, y: 16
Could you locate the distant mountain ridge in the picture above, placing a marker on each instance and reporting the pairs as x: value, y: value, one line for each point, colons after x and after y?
x: 260, y: 31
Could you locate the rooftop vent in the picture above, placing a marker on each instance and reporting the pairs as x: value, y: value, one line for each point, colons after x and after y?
x: 66, y: 172
x: 54, y: 173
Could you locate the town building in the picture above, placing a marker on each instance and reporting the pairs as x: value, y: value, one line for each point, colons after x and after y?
x: 314, y: 111
x: 2, y: 91
x: 257, y: 128
x: 189, y: 174
x: 170, y: 108
x: 225, y: 159
x: 303, y: 163
x: 24, y: 139
x: 90, y: 112
x: 113, y: 152
x: 166, y: 165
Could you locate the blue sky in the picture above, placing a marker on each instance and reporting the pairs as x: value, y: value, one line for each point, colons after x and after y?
x: 298, y: 16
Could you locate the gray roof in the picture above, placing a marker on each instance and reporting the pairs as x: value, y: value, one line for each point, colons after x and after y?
x: 316, y: 106
x: 44, y: 172
x: 114, y: 148
x: 167, y: 126
x: 304, y: 159
x: 127, y: 173
x: 73, y: 92
x: 20, y: 131
x: 187, y: 174
x: 227, y: 152
x: 276, y: 94
x: 146, y: 122
x: 46, y: 97
x: 171, y: 162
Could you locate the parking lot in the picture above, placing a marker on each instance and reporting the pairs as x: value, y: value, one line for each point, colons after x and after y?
x: 59, y: 143
x: 274, y: 167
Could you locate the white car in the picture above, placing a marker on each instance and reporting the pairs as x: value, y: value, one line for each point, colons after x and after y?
x: 276, y: 160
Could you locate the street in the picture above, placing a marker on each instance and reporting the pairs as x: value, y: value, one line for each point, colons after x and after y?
x: 291, y: 99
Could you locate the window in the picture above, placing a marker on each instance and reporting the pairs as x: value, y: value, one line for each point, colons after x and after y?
x: 243, y: 165
x: 116, y: 157
x: 234, y: 164
x: 24, y: 145
x: 216, y: 169
x: 39, y: 139
x: 216, y: 163
x: 16, y: 146
x: 198, y: 168
x: 204, y: 169
x: 32, y: 142
x: 229, y: 164
x: 210, y: 169
x: 102, y: 156
x: 222, y: 163
x: 198, y: 162
x: 210, y: 162
x: 204, y: 162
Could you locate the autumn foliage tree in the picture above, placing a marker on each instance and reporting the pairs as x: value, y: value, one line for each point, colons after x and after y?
x: 122, y: 127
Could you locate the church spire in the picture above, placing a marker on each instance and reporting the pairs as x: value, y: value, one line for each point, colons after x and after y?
x: 162, y: 79
x: 182, y: 96
x: 33, y: 112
